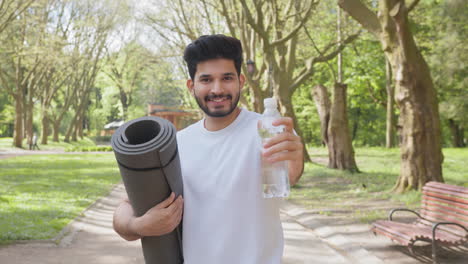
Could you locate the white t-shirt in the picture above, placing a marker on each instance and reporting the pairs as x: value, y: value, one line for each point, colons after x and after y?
x: 226, y: 219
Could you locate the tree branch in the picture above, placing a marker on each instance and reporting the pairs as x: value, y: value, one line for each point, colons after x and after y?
x: 331, y: 55
x: 413, y: 5
x: 322, y: 58
x: 229, y: 22
x: 297, y: 28
x: 321, y: 53
x: 362, y: 15
x: 260, y: 30
x: 5, y: 82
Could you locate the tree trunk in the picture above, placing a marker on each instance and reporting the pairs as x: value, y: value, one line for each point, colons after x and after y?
x: 76, y: 128
x: 70, y: 129
x: 390, y: 131
x: 29, y: 107
x: 80, y: 129
x: 287, y: 110
x: 56, y: 126
x: 340, y: 148
x: 356, y: 126
x: 457, y: 134
x: 45, y: 129
x: 421, y: 148
x: 334, y: 127
x: 323, y: 104
x: 339, y: 58
x: 125, y: 112
x: 18, y: 134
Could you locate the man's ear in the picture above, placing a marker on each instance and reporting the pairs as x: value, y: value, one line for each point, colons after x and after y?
x: 190, y: 86
x: 241, y: 81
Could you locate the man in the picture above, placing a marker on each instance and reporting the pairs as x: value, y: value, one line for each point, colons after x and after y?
x: 225, y: 218
x: 33, y: 143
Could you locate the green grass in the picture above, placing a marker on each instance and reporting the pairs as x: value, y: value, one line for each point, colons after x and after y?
x: 40, y: 195
x: 6, y: 143
x: 90, y: 149
x: 366, y: 196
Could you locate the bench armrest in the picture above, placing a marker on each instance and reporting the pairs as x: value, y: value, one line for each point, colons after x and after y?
x: 435, y: 225
x: 434, y: 229
x: 402, y: 209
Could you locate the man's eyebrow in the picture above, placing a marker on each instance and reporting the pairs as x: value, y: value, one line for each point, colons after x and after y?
x: 204, y: 76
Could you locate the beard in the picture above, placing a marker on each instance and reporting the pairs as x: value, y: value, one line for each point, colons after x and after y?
x: 202, y: 103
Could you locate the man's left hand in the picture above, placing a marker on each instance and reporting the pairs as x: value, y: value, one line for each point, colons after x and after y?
x: 286, y: 146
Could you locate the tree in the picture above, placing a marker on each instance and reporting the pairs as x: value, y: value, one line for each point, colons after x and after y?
x: 334, y: 126
x: 421, y: 153
x: 125, y: 68
x: 160, y: 86
x: 176, y: 23
x: 22, y: 65
x: 10, y: 9
x: 334, y: 115
x: 274, y: 29
x: 92, y: 33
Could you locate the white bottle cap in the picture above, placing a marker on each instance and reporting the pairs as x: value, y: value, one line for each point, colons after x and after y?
x: 270, y: 103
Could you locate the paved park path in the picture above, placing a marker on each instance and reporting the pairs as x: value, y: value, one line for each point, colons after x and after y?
x: 90, y: 239
x: 309, y: 238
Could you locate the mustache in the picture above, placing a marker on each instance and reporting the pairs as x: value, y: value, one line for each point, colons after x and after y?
x: 217, y: 96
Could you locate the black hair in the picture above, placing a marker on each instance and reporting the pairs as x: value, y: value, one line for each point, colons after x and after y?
x: 209, y: 47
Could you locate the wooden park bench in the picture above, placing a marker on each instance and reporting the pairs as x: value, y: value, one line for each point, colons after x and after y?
x: 443, y: 219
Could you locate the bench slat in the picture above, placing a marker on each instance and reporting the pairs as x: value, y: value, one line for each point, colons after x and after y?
x: 393, y: 237
x: 446, y: 197
x: 445, y: 214
x: 448, y: 202
x: 436, y: 203
x: 386, y: 229
x: 448, y: 187
x: 446, y: 192
x: 437, y: 217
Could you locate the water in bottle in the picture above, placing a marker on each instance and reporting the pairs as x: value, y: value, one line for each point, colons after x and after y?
x: 275, y: 175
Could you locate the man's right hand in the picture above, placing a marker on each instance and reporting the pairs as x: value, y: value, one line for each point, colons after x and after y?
x: 159, y: 220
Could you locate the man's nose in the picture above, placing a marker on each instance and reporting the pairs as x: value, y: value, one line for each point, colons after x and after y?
x: 217, y: 87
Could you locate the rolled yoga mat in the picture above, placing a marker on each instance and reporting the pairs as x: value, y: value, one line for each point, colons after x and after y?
x: 146, y: 152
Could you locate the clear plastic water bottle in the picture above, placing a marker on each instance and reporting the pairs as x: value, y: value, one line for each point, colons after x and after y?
x: 275, y: 175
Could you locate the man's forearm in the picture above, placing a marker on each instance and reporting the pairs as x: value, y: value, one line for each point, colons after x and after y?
x: 123, y: 222
x: 296, y: 168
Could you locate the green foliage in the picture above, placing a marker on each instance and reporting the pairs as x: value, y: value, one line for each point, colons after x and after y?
x: 364, y: 70
x: 161, y: 87
x: 364, y: 74
x: 147, y: 57
x: 307, y: 115
x: 154, y: 82
x: 40, y: 195
x: 441, y: 32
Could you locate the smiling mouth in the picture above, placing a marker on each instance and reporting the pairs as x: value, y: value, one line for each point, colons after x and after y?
x: 218, y: 98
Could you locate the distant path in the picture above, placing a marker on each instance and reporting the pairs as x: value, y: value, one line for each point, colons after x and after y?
x: 10, y: 153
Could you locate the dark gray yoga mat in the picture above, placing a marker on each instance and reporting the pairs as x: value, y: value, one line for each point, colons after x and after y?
x: 146, y: 151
